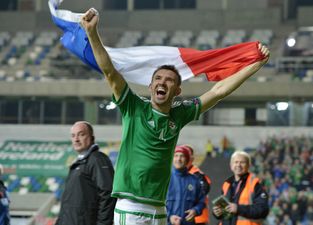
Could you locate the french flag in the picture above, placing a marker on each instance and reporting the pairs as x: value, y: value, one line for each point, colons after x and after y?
x: 137, y: 64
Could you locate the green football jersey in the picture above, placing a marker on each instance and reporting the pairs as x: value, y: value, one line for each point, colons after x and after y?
x: 149, y: 138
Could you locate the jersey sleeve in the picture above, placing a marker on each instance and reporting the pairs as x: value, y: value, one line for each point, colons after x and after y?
x: 127, y: 102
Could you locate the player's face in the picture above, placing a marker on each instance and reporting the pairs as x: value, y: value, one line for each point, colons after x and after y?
x: 180, y: 161
x: 164, y: 87
x: 239, y: 165
x: 81, y: 138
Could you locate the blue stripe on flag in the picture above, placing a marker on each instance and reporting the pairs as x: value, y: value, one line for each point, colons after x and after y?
x: 75, y: 40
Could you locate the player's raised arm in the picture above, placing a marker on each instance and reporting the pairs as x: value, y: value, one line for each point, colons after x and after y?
x: 225, y: 87
x: 89, y: 22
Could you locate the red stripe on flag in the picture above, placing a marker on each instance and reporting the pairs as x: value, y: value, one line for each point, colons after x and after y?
x: 218, y: 64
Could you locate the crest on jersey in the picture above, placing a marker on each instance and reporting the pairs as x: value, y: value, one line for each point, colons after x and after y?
x: 172, y: 125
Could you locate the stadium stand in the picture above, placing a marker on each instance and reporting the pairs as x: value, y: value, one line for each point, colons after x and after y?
x: 40, y: 184
x: 38, y: 56
x: 286, y: 165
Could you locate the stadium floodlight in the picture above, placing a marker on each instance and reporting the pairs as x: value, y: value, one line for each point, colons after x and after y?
x: 101, y: 105
x: 291, y: 42
x: 272, y: 106
x: 110, y: 106
x: 282, y: 106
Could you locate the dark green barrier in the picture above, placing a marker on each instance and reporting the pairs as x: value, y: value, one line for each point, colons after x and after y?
x: 48, y: 158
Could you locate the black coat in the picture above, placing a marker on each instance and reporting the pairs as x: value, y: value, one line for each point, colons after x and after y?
x: 86, y: 199
x: 258, y: 210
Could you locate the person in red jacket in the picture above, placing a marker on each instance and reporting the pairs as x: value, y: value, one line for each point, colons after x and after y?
x: 247, y: 198
x: 205, y: 186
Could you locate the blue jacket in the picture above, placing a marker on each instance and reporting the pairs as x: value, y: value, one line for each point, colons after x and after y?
x: 4, y: 205
x: 184, y: 193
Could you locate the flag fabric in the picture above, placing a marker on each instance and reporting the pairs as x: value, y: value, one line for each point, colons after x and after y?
x: 137, y: 64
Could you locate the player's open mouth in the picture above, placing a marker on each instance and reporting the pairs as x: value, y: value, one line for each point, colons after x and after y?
x: 161, y: 91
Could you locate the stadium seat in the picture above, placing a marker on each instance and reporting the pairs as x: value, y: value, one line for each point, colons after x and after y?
x: 181, y: 38
x: 263, y: 35
x: 233, y: 37
x: 4, y: 38
x: 2, y: 75
x: 205, y: 42
x: 129, y: 39
x: 155, y: 38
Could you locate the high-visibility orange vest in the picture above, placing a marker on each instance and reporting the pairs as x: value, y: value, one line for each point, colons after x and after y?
x: 245, y: 199
x: 204, y: 216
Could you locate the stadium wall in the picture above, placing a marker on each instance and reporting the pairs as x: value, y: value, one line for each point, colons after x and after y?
x: 249, y: 91
x: 197, y: 136
x: 194, y: 20
x: 305, y: 16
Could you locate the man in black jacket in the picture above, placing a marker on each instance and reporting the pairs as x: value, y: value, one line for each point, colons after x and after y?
x: 248, y: 200
x: 86, y: 199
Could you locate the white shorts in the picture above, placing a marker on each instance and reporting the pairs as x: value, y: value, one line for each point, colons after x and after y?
x: 128, y: 212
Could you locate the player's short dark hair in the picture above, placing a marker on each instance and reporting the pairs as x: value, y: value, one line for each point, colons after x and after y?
x: 171, y: 68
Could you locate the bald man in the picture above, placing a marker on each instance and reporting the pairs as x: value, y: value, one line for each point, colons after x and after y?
x: 86, y: 199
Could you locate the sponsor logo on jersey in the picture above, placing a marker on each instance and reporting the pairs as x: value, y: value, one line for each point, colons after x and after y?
x: 187, y: 102
x: 176, y: 104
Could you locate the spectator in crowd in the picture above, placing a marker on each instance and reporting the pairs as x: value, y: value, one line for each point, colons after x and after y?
x: 205, y: 186
x: 151, y: 129
x: 226, y: 148
x: 271, y: 219
x: 294, y: 213
x: 309, y: 214
x: 286, y: 220
x: 287, y: 169
x: 185, y: 197
x: 248, y: 200
x: 86, y: 199
x: 210, y: 149
x: 4, y: 202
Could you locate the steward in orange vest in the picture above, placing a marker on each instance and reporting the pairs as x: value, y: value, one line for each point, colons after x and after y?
x: 248, y: 200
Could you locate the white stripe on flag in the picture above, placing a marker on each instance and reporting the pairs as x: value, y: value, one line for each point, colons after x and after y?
x: 137, y: 64
x: 63, y: 14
